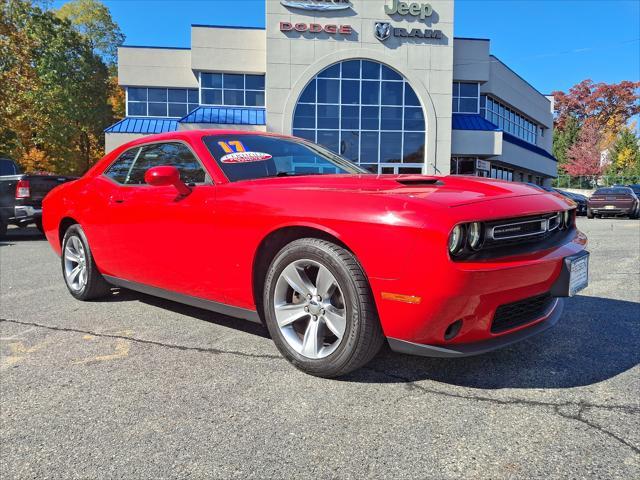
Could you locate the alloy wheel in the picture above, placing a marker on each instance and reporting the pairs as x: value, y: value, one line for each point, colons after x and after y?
x: 75, y: 264
x: 309, y: 308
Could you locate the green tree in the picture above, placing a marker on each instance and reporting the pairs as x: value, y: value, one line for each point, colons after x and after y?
x: 625, y: 154
x: 54, y: 90
x: 563, y: 140
x: 92, y: 19
x: 94, y: 22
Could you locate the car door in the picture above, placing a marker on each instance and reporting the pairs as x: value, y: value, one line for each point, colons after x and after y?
x: 159, y: 237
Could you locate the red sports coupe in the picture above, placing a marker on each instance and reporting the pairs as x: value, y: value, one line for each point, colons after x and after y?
x: 333, y: 259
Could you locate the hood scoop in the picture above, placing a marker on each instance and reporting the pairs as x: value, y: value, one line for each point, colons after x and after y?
x: 419, y: 180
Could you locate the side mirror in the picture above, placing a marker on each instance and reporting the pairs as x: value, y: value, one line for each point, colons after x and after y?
x: 164, y: 176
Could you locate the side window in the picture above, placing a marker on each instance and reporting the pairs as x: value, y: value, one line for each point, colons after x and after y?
x: 175, y: 154
x: 179, y: 155
x: 150, y: 156
x: 119, y: 170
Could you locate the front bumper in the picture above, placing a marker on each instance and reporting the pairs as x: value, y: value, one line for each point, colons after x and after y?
x: 478, y: 348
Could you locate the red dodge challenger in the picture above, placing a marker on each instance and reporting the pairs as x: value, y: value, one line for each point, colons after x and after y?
x: 333, y: 259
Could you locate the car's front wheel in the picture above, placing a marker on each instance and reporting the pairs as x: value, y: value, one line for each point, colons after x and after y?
x: 79, y: 270
x: 319, y: 308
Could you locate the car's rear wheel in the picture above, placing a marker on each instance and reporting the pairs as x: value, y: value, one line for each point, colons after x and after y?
x: 319, y: 309
x: 79, y: 270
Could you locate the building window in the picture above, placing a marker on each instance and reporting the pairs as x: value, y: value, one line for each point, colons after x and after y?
x: 366, y: 112
x: 509, y: 120
x: 466, y: 97
x: 161, y: 102
x: 502, y: 173
x: 231, y: 89
x: 463, y: 165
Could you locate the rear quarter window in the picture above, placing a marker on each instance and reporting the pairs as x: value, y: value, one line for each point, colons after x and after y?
x: 120, y: 169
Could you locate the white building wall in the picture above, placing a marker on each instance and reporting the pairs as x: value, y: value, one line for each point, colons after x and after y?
x: 155, y: 67
x: 223, y: 49
x: 294, y: 58
x: 114, y: 140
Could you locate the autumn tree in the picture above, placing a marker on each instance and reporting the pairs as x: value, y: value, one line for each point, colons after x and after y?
x: 605, y: 107
x: 54, y: 90
x: 625, y: 154
x: 92, y: 19
x: 608, y: 106
x: 584, y: 156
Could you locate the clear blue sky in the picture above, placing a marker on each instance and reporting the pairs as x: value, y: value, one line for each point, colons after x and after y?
x: 551, y: 43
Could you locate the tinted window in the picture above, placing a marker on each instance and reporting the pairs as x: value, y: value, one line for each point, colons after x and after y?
x: 119, y: 170
x: 613, y: 191
x: 277, y: 156
x: 175, y: 154
x: 7, y: 167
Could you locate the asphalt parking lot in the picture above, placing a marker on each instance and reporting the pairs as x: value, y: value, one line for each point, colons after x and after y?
x: 137, y: 387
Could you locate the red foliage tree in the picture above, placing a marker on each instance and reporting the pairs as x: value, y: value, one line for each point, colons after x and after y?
x: 585, y: 155
x: 608, y: 106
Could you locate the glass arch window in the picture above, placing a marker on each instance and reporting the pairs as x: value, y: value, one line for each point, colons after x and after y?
x: 366, y: 112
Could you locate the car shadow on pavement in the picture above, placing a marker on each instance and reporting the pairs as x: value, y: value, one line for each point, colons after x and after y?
x: 26, y: 234
x: 596, y: 339
x: 124, y: 295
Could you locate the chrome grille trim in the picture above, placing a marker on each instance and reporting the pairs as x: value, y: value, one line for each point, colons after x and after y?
x: 544, y: 224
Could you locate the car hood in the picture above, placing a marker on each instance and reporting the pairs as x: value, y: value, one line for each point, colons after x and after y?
x: 448, y: 191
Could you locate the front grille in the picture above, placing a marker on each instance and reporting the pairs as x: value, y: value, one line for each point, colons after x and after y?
x: 521, y: 230
x: 520, y: 235
x: 519, y: 313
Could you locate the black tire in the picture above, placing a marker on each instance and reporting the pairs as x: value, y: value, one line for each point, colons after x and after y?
x: 96, y: 286
x: 3, y: 228
x: 589, y: 213
x: 39, y: 226
x: 363, y: 335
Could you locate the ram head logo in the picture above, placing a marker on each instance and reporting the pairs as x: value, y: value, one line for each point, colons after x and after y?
x: 382, y: 30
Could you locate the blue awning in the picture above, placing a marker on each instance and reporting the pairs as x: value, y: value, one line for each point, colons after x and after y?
x: 473, y: 122
x: 227, y: 116
x: 143, y: 125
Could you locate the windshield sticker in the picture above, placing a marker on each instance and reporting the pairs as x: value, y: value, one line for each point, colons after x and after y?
x: 245, y: 157
x: 232, y: 146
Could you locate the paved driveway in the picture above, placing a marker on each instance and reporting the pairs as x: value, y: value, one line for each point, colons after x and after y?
x: 137, y: 387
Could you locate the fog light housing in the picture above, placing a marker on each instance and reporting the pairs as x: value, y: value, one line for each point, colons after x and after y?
x: 453, y: 330
x: 456, y: 239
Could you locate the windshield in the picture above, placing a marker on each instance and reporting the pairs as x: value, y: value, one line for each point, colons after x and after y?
x: 247, y: 157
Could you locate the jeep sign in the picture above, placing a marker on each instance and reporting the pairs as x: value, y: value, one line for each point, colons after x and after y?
x: 422, y: 10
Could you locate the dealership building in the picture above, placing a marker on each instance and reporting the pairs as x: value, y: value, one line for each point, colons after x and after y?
x: 382, y: 82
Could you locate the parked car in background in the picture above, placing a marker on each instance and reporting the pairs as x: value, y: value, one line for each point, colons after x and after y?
x: 613, y: 201
x: 635, y: 188
x: 21, y: 195
x: 581, y: 200
x: 333, y: 259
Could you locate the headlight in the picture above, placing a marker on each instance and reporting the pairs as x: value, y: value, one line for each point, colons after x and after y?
x: 455, y: 239
x: 475, y: 235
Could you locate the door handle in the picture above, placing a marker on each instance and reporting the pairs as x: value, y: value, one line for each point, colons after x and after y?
x: 116, y: 200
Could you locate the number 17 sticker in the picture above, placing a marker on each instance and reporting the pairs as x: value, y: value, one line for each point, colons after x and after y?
x: 233, y: 146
